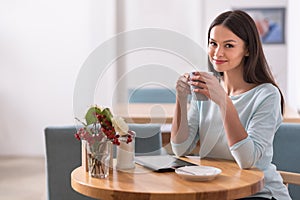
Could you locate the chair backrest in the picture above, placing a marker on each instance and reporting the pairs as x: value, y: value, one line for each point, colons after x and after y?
x: 148, y: 139
x: 287, y: 155
x: 63, y: 154
x: 151, y: 95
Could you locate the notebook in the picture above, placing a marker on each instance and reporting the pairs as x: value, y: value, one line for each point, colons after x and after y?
x: 161, y: 163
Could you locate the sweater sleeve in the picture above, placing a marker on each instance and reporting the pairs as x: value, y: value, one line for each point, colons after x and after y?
x: 193, y: 122
x: 262, y: 125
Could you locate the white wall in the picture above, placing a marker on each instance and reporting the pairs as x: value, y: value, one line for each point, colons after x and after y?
x: 43, y: 45
x: 177, y: 16
x: 293, y: 40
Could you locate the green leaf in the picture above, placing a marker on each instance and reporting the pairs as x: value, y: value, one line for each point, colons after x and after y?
x: 107, y: 113
x: 90, y: 116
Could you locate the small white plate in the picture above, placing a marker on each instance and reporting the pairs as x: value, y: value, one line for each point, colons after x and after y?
x: 198, y: 173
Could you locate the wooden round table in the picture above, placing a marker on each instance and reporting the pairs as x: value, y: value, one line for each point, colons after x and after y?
x: 141, y: 183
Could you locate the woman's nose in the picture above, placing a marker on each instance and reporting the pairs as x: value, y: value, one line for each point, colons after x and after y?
x: 219, y: 52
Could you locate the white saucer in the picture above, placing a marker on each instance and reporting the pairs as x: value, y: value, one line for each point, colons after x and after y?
x: 198, y: 173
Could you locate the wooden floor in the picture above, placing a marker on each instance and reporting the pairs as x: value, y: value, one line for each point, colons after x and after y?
x: 22, y: 178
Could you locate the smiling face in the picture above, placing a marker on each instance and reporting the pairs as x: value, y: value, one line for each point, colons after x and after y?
x: 226, y: 50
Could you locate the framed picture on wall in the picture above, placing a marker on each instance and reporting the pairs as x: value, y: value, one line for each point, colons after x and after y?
x: 270, y: 23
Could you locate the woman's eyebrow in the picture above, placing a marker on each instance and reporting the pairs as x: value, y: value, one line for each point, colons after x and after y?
x: 230, y: 40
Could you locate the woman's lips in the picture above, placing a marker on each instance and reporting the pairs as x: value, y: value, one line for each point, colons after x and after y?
x: 219, y: 62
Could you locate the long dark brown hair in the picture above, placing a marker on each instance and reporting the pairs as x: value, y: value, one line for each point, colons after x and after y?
x: 255, y: 69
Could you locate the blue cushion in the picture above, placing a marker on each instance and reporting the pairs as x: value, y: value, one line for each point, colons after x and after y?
x: 63, y: 154
x: 148, y: 139
x: 151, y: 95
x: 287, y: 152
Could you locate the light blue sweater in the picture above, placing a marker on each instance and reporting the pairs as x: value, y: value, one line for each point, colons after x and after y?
x: 260, y: 113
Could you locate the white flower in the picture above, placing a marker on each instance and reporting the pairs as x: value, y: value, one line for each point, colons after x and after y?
x: 120, y: 125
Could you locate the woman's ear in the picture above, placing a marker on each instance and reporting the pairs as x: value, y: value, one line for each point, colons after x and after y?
x: 246, y: 53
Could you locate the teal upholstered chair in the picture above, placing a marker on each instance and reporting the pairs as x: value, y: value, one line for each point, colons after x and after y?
x: 148, y: 139
x: 151, y: 95
x: 287, y: 154
x: 63, y: 154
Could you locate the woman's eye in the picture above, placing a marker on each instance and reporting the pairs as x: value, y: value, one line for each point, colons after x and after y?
x: 228, y: 45
x: 212, y: 44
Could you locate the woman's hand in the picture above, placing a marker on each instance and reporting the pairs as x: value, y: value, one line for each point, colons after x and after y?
x: 182, y: 86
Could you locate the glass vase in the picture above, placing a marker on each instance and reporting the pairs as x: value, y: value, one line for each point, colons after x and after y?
x: 98, y: 158
x: 125, y: 153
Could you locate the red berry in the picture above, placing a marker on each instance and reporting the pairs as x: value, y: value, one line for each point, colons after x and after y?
x: 77, y: 136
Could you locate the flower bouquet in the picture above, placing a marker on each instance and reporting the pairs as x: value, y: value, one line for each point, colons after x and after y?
x: 99, y: 131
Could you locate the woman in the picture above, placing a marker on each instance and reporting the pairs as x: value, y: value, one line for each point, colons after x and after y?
x: 245, y: 107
